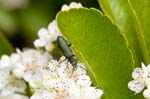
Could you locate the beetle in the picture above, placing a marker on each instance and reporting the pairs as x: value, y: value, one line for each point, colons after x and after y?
x: 67, y: 51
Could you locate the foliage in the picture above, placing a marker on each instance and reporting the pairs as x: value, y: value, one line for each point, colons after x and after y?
x: 111, y: 42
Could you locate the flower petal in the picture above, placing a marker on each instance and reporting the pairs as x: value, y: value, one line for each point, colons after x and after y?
x: 136, y: 86
x: 146, y: 94
x: 137, y: 73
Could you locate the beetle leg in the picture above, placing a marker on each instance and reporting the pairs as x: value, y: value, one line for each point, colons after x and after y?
x: 72, y: 71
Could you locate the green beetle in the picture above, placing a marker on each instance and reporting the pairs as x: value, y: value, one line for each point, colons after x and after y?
x: 65, y: 48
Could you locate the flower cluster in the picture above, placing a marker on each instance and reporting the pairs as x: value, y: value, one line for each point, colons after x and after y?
x: 35, y: 74
x: 19, y: 68
x: 48, y: 36
x: 49, y: 78
x: 72, y: 5
x: 141, y: 80
x: 61, y: 81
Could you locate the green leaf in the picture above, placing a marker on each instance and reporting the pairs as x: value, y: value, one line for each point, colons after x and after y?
x: 102, y: 47
x: 5, y: 47
x: 140, y: 11
x: 122, y: 15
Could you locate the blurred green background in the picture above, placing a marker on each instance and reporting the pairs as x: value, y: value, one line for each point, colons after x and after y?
x: 20, y: 20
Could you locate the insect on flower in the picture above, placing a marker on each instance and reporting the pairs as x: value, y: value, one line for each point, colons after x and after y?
x: 65, y: 48
x: 67, y: 51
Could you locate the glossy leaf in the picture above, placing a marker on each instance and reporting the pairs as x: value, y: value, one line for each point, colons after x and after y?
x: 101, y: 46
x: 141, y: 10
x: 122, y: 15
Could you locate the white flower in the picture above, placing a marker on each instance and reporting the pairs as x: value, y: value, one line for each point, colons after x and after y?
x: 13, y: 96
x: 71, y: 5
x: 137, y: 73
x: 5, y: 63
x: 44, y: 94
x: 53, y: 30
x: 74, y: 92
x: 9, y: 84
x: 25, y: 65
x: 83, y: 80
x: 4, y: 74
x: 57, y: 76
x: 13, y: 86
x: 147, y: 82
x: 31, y: 56
x: 43, y: 35
x: 136, y: 85
x: 32, y: 62
x: 146, y: 94
x: 92, y: 93
x: 29, y: 61
x: 47, y: 36
x: 141, y: 79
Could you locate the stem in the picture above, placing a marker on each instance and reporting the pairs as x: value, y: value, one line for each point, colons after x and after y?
x: 141, y: 39
x: 28, y: 90
x: 20, y: 93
